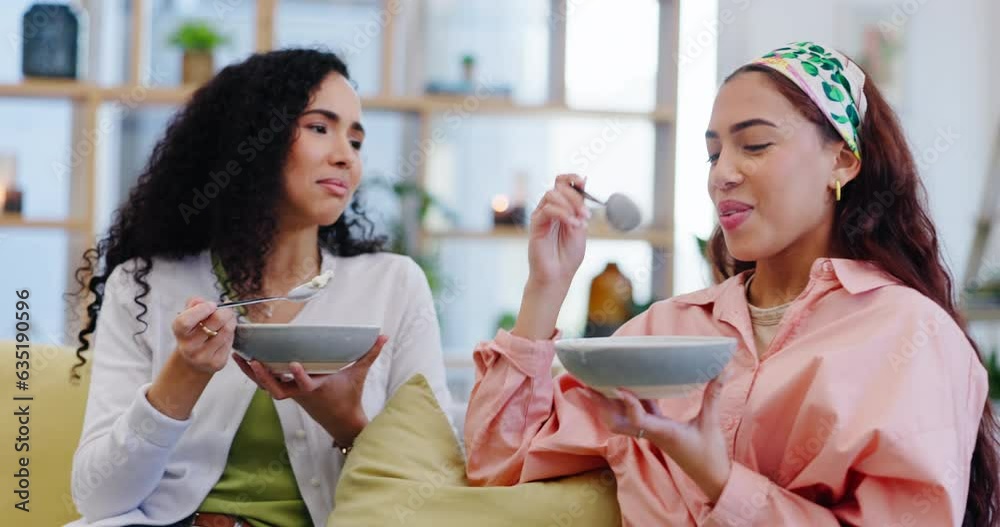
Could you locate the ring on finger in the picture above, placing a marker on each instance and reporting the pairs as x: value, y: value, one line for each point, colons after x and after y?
x: 207, y: 330
x: 642, y: 432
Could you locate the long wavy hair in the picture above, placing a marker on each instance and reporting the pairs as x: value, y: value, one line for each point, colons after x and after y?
x: 214, y: 181
x: 898, y: 236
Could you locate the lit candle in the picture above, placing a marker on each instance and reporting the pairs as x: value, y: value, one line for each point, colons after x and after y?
x: 500, y: 203
x: 506, y: 214
x: 6, y: 178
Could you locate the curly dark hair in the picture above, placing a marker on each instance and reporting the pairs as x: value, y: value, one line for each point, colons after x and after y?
x: 225, y: 141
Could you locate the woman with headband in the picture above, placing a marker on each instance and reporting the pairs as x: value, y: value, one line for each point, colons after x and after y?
x: 854, y: 396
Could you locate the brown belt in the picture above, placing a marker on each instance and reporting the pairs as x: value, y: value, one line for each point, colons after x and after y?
x: 209, y: 519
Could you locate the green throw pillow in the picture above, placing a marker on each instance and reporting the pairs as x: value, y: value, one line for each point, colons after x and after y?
x: 407, y: 469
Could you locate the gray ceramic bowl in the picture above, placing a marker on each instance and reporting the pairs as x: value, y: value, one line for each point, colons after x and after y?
x: 320, y: 349
x: 654, y: 367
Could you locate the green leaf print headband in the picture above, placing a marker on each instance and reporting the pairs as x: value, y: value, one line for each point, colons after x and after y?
x: 830, y: 79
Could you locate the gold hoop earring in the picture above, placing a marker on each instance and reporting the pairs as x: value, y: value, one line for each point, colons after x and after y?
x: 838, y: 190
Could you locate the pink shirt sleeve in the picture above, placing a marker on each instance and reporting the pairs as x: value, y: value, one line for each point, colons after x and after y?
x: 512, y: 426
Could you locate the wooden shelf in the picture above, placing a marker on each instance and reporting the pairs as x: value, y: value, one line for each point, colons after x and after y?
x: 469, y: 104
x: 143, y: 95
x: 47, y: 89
x: 658, y: 237
x: 13, y: 222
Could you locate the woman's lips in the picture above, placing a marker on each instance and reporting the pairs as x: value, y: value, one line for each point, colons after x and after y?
x: 734, y: 219
x: 334, y: 187
x: 733, y: 213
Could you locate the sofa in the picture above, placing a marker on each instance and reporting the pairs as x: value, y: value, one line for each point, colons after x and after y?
x: 381, y: 473
x: 54, y: 419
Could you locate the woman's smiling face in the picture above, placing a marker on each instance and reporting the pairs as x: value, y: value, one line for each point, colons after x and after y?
x: 771, y: 169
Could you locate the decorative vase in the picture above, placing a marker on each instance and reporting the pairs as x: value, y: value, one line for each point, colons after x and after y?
x: 49, y: 34
x: 199, y: 66
x: 610, y: 302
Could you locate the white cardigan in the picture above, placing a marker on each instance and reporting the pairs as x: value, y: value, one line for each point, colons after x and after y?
x: 136, y: 465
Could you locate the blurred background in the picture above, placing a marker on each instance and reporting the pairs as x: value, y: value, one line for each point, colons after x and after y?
x: 472, y: 108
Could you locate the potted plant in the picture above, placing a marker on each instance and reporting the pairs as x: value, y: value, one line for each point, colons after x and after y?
x: 402, y: 232
x: 469, y: 68
x: 197, y: 40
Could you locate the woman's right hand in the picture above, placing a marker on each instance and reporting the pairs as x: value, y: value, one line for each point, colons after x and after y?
x: 197, y: 357
x: 558, y: 242
x: 558, y: 234
x: 196, y: 348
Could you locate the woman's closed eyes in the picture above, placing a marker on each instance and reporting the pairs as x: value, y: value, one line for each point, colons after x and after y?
x: 753, y: 149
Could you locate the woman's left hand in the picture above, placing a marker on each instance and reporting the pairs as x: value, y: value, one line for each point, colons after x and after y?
x: 698, y: 446
x: 332, y: 400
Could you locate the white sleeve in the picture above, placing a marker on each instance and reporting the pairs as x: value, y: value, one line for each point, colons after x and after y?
x: 417, y: 349
x: 125, y: 443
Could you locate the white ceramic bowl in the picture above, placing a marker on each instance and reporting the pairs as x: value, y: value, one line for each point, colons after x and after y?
x: 320, y: 349
x: 654, y: 367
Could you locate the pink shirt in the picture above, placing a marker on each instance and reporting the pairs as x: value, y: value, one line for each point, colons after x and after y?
x: 864, y: 411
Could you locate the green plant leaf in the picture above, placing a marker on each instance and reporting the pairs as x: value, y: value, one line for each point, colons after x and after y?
x: 789, y: 55
x: 197, y: 36
x: 839, y: 118
x: 817, y: 49
x: 810, y: 68
x: 832, y: 92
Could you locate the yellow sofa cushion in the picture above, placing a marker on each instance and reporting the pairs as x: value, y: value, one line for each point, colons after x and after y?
x: 54, y: 422
x: 407, y: 469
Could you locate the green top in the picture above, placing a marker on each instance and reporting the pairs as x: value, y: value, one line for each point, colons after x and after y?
x: 258, y: 483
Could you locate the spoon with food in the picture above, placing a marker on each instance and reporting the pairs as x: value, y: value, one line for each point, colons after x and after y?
x: 301, y: 293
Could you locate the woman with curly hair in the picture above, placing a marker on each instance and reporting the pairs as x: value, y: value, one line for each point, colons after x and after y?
x: 248, y: 194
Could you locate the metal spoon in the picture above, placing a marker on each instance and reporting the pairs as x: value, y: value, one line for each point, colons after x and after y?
x: 301, y: 293
x: 623, y: 214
